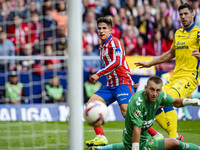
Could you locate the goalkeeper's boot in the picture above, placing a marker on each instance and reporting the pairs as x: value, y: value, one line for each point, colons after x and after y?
x: 159, y: 136
x: 97, y: 141
x: 180, y: 137
x: 96, y: 148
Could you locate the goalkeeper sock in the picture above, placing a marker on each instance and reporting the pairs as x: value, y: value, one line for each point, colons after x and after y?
x: 99, y: 130
x: 117, y: 146
x: 161, y: 119
x: 171, y: 118
x: 187, y: 146
x: 186, y: 112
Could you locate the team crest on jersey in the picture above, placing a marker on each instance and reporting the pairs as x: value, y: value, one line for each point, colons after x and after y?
x: 151, y: 143
x: 189, y: 35
x: 155, y: 106
x: 137, y: 113
x: 118, y: 52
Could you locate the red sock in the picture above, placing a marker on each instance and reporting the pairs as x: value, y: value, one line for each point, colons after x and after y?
x: 152, y: 131
x: 99, y: 130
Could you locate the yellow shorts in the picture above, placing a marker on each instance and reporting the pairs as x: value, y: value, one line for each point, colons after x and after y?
x: 180, y: 87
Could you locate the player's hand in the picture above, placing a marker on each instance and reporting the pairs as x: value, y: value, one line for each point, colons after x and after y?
x: 135, y: 86
x: 94, y: 78
x: 143, y: 64
x: 196, y: 54
x: 193, y: 102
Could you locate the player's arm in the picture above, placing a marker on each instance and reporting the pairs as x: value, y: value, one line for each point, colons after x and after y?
x: 180, y: 102
x: 161, y: 59
x: 136, y: 137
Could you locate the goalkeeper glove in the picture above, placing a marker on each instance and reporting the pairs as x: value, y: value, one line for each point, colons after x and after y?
x: 193, y: 102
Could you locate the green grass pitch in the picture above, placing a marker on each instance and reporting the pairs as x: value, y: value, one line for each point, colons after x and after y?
x: 54, y: 135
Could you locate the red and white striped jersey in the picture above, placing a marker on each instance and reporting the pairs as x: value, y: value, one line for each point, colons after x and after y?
x: 116, y: 68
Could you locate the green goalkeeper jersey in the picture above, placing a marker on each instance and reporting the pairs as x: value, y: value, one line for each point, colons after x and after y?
x: 141, y: 114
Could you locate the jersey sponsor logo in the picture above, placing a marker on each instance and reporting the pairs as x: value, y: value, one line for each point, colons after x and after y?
x: 181, y: 47
x: 147, y: 124
x: 137, y: 112
x: 187, y: 85
x: 180, y: 43
x: 122, y: 94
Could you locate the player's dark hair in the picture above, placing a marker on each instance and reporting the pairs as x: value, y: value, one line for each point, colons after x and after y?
x: 104, y: 20
x: 186, y: 5
x: 155, y: 79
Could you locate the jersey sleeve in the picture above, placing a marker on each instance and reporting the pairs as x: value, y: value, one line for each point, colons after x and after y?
x: 135, y: 111
x: 198, y: 38
x: 117, y: 59
x: 166, y: 100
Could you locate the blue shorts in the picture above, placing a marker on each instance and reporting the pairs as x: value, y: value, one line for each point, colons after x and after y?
x: 121, y: 93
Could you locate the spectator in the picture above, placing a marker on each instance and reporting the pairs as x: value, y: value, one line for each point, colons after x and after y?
x: 89, y: 65
x: 35, y: 27
x: 18, y: 32
x: 142, y: 49
x: 14, y: 90
x: 167, y: 27
x: 26, y: 65
x: 90, y: 17
x: 90, y: 88
x: 60, y: 15
x: 111, y: 9
x: 158, y: 44
x: 131, y: 22
x: 91, y: 36
x: 123, y: 18
x: 54, y: 91
x: 131, y: 8
x: 49, y: 24
x: 5, y: 11
x: 129, y: 38
x: 117, y: 28
x: 22, y: 10
x: 61, y: 43
x: 6, y: 49
x: 51, y: 64
x: 175, y: 14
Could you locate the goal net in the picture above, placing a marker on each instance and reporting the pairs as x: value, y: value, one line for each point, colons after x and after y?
x: 33, y: 72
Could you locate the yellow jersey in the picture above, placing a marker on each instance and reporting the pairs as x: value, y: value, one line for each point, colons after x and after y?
x: 185, y: 41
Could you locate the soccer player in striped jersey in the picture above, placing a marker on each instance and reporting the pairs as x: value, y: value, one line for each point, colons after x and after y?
x: 185, y: 49
x: 119, y: 82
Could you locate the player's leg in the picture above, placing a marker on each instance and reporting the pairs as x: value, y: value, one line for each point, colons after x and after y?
x: 122, y: 94
x: 116, y: 146
x: 161, y: 117
x: 181, y: 88
x: 171, y: 143
x: 104, y: 95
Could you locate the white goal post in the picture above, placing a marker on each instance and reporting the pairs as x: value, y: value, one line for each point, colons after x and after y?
x: 75, y: 75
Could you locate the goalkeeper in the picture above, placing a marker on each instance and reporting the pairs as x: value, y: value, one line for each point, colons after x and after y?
x: 185, y: 49
x: 140, y: 117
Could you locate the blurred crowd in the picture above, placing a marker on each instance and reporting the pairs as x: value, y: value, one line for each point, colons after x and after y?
x: 145, y: 27
x: 39, y: 28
